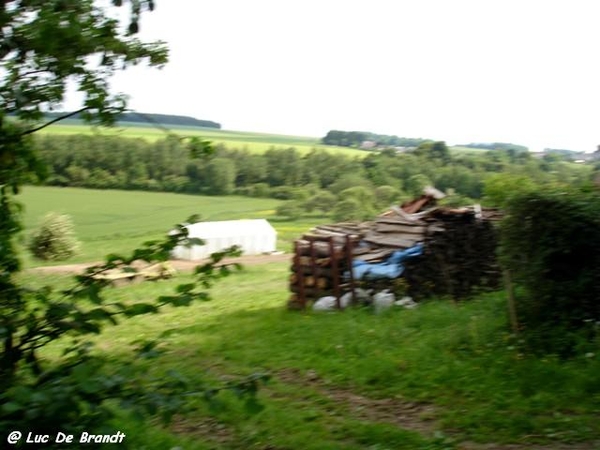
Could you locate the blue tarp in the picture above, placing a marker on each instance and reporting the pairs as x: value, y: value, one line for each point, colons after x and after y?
x: 391, y: 268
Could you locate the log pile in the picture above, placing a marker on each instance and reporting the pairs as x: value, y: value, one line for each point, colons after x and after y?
x: 459, y: 253
x: 318, y: 268
x: 459, y: 256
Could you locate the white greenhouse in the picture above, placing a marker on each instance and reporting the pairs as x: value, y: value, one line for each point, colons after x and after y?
x: 254, y: 236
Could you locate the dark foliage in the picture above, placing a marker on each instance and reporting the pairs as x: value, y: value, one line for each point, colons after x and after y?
x: 151, y: 119
x: 551, y: 245
x: 456, y: 262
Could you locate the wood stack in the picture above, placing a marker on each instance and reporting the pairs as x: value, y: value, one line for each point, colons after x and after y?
x: 318, y: 268
x: 459, y: 256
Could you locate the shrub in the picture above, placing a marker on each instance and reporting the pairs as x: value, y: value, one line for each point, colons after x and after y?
x: 55, y: 239
x: 322, y: 201
x: 351, y: 209
x: 551, y: 244
x: 290, y: 209
x: 386, y: 196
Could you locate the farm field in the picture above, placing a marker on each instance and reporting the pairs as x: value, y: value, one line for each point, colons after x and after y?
x: 253, y: 142
x: 108, y: 221
x: 243, y: 140
x: 439, y: 377
x: 443, y: 376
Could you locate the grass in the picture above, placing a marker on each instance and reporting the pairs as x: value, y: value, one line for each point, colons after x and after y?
x: 428, y: 378
x: 253, y: 142
x: 119, y: 221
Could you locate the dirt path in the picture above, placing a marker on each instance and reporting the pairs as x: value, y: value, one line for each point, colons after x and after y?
x: 414, y: 416
x: 180, y: 265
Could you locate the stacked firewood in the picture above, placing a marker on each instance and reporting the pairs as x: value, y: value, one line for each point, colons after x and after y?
x: 459, y: 251
x: 459, y: 256
x: 318, y: 268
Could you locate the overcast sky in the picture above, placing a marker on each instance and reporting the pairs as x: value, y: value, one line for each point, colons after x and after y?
x: 521, y: 71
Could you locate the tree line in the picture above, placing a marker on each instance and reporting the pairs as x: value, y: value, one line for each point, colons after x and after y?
x: 316, y: 180
x: 149, y: 119
x: 496, y: 146
x: 356, y: 138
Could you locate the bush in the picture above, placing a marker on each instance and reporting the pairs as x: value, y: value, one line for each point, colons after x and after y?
x: 351, y: 209
x: 322, y: 201
x: 551, y: 244
x: 55, y: 238
x: 291, y: 209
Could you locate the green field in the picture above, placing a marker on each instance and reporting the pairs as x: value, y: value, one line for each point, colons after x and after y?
x: 444, y: 376
x: 432, y: 378
x: 109, y: 221
x: 253, y: 142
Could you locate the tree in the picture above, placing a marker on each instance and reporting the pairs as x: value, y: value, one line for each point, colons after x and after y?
x: 499, y: 189
x: 348, y: 209
x: 435, y: 150
x: 385, y: 196
x: 416, y: 183
x: 290, y: 209
x: 220, y: 176
x: 322, y: 201
x: 44, y: 45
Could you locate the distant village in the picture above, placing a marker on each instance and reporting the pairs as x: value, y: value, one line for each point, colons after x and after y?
x: 570, y: 155
x: 577, y: 157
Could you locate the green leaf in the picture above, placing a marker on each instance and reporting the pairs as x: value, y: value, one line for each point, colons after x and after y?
x: 185, y: 288
x: 101, y: 314
x: 194, y: 218
x: 11, y: 407
x: 140, y: 308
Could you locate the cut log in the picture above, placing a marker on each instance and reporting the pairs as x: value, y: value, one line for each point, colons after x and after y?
x: 321, y: 249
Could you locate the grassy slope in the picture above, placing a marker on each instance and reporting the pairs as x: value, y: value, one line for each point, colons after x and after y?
x: 254, y: 142
x: 427, y: 378
x: 341, y: 381
x: 117, y: 221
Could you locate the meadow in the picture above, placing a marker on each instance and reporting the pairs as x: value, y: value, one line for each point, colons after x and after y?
x: 242, y: 140
x: 441, y: 376
x: 118, y: 221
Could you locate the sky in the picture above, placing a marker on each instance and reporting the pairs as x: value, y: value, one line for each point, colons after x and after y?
x: 520, y: 71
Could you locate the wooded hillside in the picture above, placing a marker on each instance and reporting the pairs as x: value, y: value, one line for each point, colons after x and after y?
x: 150, y: 118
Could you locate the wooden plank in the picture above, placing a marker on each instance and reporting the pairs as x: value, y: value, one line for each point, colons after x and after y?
x: 398, y: 228
x: 417, y: 204
x: 398, y: 220
x: 379, y: 255
x: 393, y: 240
